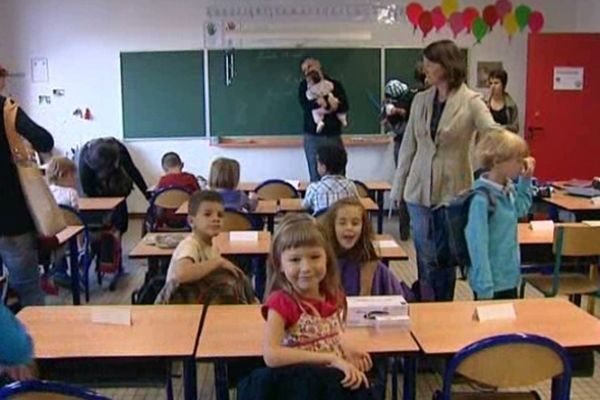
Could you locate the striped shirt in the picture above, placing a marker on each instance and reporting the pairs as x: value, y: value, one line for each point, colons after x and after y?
x: 327, y: 191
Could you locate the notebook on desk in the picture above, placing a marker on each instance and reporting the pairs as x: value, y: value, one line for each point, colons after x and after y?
x: 582, y: 191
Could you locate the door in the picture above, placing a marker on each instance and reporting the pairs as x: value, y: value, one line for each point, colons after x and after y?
x: 562, y: 127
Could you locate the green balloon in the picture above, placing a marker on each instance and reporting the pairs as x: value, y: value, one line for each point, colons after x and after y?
x: 522, y: 14
x: 479, y: 29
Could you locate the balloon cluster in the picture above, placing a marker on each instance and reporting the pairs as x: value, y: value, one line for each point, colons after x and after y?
x: 479, y: 24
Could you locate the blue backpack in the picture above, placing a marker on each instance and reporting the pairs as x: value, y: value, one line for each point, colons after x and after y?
x: 455, y: 217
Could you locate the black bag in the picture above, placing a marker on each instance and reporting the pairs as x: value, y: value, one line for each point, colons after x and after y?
x: 455, y: 217
x: 148, y: 292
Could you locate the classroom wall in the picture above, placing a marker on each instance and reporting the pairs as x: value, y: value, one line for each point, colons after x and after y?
x: 82, y: 41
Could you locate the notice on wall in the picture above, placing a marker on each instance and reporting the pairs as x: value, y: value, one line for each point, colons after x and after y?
x: 568, y: 78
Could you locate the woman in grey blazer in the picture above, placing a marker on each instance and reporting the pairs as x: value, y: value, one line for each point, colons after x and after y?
x: 434, y: 162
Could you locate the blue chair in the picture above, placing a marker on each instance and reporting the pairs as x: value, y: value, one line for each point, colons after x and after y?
x: 47, y: 390
x: 85, y: 256
x: 275, y: 189
x: 510, y: 360
x: 234, y: 220
x: 160, y: 216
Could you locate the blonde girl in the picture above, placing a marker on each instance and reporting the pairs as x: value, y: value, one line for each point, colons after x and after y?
x: 305, y: 304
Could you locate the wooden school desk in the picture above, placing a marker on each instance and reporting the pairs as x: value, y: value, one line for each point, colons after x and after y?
x: 445, y: 328
x: 265, y: 209
x: 388, y: 254
x: 66, y: 334
x: 582, y: 207
x: 99, y: 204
x: 221, y: 242
x: 221, y: 341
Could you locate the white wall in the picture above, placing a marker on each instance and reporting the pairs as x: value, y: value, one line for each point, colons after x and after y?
x: 82, y: 41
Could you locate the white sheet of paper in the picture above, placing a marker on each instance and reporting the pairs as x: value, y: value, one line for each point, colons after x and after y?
x: 596, y: 200
x: 112, y: 316
x: 386, y: 244
x: 541, y: 225
x: 568, y: 78
x: 494, y: 312
x: 591, y: 223
x: 294, y: 183
x: 243, y: 236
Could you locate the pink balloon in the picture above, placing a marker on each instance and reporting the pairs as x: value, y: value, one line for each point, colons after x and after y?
x: 536, y: 21
x: 456, y: 22
x: 439, y: 19
x: 503, y: 7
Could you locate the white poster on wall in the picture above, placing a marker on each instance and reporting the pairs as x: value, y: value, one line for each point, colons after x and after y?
x: 568, y: 78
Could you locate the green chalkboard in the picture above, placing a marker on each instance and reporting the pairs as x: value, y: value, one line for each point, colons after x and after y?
x: 262, y: 98
x: 400, y: 64
x: 163, y: 94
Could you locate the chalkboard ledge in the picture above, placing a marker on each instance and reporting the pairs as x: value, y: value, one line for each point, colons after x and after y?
x: 295, y: 141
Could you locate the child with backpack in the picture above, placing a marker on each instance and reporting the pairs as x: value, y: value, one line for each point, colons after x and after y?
x: 197, y: 270
x: 491, y: 237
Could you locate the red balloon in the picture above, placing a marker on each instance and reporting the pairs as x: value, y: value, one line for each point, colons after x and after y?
x: 438, y: 17
x: 469, y: 14
x: 413, y: 12
x: 425, y: 23
x: 490, y: 16
x: 536, y: 21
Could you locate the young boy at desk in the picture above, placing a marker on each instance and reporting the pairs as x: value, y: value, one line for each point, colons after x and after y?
x: 333, y: 186
x: 174, y: 175
x: 197, y: 270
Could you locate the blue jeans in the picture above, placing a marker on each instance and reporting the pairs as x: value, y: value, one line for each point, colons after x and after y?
x: 20, y: 255
x: 436, y: 279
x: 311, y: 144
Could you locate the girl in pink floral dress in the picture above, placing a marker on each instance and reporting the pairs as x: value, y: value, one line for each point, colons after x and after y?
x: 305, y: 305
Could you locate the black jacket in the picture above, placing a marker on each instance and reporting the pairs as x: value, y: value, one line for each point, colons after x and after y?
x: 333, y: 126
x: 14, y: 214
x: 90, y: 181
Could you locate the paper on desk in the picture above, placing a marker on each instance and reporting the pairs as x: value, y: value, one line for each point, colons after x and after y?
x: 541, y: 225
x: 243, y: 236
x: 596, y: 201
x: 386, y: 244
x: 591, y: 223
x: 112, y: 316
x: 294, y: 183
x: 495, y: 312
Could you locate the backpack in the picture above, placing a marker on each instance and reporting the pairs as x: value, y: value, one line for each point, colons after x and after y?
x: 455, y: 217
x: 149, y: 291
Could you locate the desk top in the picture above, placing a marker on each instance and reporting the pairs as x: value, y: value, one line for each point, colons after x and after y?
x: 68, y: 331
x: 68, y: 233
x: 389, y: 253
x: 445, y: 328
x: 221, y: 337
x: 295, y: 205
x: 572, y: 203
x: 528, y: 236
x: 99, y: 203
x: 264, y: 207
x: 221, y: 242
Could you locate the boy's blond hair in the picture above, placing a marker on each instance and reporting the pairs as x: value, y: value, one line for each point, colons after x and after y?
x: 58, y: 168
x: 499, y: 146
x: 224, y: 174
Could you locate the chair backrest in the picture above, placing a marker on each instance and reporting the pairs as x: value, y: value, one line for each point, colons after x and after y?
x: 42, y: 390
x: 275, y: 189
x: 73, y: 217
x: 170, y: 198
x: 363, y: 191
x: 236, y: 221
x: 577, y: 240
x: 510, y: 361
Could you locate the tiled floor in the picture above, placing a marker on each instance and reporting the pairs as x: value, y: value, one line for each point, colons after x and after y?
x: 427, y: 383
